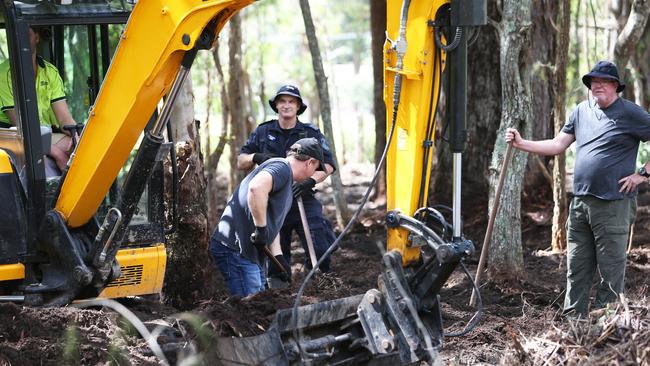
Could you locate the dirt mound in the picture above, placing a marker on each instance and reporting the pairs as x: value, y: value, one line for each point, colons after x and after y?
x: 64, y: 336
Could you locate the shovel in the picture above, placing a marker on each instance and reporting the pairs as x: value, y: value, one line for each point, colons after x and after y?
x: 490, y: 227
x: 305, y: 227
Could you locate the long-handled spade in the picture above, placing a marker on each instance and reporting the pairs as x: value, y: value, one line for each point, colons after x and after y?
x: 490, y: 227
x: 308, y: 237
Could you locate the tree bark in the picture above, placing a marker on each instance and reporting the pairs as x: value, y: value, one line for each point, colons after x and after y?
x: 188, y: 265
x: 238, y: 123
x: 342, y: 214
x: 542, y: 59
x: 505, y: 254
x: 377, y: 32
x: 630, y: 35
x: 558, y: 233
x: 214, y: 156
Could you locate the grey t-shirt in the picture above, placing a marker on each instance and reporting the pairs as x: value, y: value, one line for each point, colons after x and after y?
x: 236, y: 224
x: 607, y: 142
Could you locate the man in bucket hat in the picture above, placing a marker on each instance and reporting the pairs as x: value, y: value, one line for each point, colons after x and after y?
x: 607, y: 131
x: 273, y: 139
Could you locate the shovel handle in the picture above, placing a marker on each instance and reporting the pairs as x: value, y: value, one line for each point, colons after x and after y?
x: 308, y: 237
x: 493, y: 214
x: 275, y: 262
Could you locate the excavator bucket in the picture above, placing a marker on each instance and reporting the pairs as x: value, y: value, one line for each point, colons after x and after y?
x: 389, y: 325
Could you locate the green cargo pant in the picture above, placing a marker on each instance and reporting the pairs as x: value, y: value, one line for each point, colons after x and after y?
x: 597, y: 240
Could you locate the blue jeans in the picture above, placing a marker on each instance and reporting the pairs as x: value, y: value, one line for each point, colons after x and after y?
x: 242, y: 276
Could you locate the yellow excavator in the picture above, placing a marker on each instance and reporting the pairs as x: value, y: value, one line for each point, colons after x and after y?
x: 97, y: 227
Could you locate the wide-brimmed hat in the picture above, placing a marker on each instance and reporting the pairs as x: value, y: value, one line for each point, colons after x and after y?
x: 604, y: 70
x: 288, y: 90
x: 309, y: 147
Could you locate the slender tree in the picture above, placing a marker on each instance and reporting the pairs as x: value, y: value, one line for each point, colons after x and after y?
x: 238, y: 123
x: 342, y: 214
x: 214, y: 156
x: 505, y: 255
x: 377, y: 32
x: 558, y: 239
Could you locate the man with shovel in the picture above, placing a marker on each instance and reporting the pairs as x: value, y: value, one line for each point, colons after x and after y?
x: 272, y: 139
x: 607, y: 130
x: 248, y: 229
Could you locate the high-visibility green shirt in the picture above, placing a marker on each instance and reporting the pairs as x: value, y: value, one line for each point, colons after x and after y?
x: 49, y: 89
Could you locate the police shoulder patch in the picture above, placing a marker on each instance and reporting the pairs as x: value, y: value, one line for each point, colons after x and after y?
x: 312, y: 126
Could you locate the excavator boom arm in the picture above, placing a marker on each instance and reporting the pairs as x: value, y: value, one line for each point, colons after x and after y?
x: 147, y: 60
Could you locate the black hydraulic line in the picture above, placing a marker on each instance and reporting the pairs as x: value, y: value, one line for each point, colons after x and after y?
x: 454, y: 43
x: 172, y: 156
x: 473, y: 322
x: 428, y: 143
x: 400, y: 47
x: 127, y: 202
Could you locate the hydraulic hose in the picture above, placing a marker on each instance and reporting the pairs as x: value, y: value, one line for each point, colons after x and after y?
x: 473, y: 322
x: 454, y: 43
x: 400, y: 46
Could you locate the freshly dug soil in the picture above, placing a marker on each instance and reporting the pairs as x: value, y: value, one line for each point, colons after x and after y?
x: 511, y: 313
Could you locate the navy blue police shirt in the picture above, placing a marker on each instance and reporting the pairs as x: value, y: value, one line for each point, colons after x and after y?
x: 269, y: 138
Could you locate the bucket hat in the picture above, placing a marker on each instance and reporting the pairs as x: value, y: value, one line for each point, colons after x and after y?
x: 604, y: 70
x: 288, y: 90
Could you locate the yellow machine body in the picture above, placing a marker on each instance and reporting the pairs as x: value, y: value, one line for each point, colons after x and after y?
x: 421, y: 77
x: 143, y: 68
x: 142, y: 272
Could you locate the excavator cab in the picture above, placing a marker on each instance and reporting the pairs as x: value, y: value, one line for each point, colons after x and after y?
x: 79, y: 39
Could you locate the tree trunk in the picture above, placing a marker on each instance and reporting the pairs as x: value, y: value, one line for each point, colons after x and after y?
x: 188, y: 264
x: 629, y: 36
x: 505, y: 255
x: 558, y: 234
x: 214, y: 156
x: 238, y: 123
x: 542, y: 59
x: 377, y: 32
x: 342, y: 214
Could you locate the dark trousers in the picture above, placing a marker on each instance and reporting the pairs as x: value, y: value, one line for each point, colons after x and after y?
x: 598, y: 232
x: 321, y: 231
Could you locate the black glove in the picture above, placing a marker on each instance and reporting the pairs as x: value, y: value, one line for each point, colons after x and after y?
x: 303, y: 187
x: 286, y: 276
x: 258, y: 238
x: 259, y: 158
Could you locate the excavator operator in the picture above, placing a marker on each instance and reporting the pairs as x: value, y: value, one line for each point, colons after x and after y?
x: 273, y: 139
x: 52, y: 106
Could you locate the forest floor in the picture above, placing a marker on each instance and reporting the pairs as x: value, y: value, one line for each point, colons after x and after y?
x: 520, y: 322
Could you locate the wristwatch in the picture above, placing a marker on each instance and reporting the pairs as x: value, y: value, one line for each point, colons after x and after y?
x: 644, y: 173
